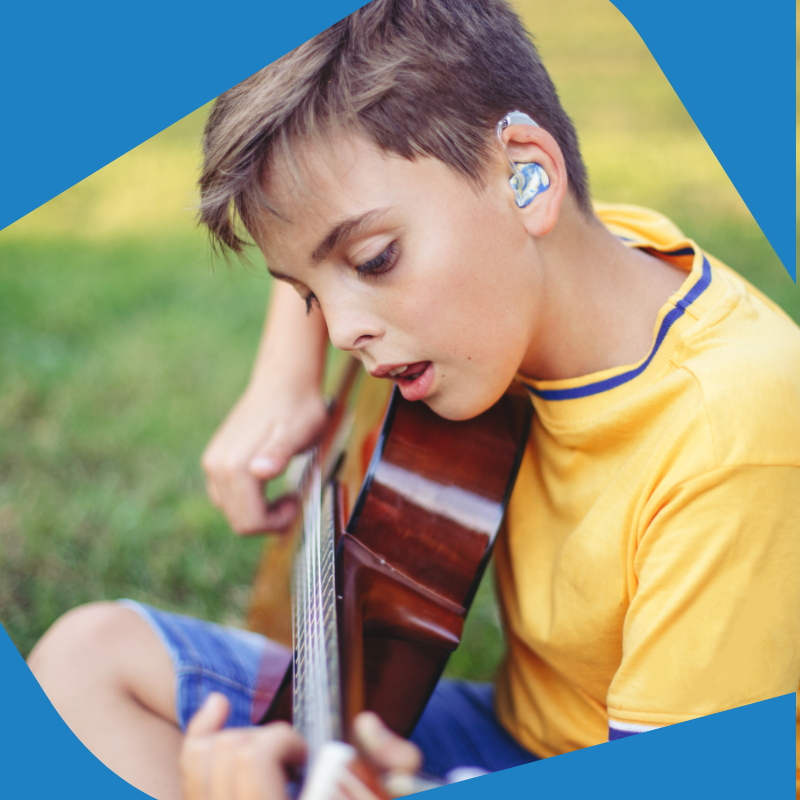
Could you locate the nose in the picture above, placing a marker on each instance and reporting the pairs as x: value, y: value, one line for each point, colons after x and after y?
x: 351, y: 328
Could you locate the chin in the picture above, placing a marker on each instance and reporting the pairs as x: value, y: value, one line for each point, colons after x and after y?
x: 456, y: 407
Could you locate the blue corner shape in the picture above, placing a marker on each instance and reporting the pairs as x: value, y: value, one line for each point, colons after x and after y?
x: 85, y: 82
x: 739, y: 754
x: 732, y: 65
x: 40, y: 757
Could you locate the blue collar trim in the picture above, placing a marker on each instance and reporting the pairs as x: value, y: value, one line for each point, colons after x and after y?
x: 617, y: 380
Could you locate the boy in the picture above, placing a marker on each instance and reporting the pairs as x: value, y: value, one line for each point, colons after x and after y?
x: 648, y: 574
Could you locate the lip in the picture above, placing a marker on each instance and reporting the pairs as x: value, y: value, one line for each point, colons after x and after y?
x: 410, y: 389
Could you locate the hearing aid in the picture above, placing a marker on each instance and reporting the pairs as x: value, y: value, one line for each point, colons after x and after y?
x: 527, y: 180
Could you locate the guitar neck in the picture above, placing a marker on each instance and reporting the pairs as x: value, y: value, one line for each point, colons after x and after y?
x: 316, y: 704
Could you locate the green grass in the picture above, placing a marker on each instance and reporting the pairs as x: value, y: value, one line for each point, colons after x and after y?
x: 116, y: 363
x: 121, y: 349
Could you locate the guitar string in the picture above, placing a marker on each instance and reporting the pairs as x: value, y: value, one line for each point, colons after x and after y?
x: 316, y: 702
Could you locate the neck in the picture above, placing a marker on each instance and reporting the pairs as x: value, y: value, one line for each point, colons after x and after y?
x: 599, y: 300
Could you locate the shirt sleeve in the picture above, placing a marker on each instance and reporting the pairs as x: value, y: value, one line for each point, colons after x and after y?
x: 714, y: 617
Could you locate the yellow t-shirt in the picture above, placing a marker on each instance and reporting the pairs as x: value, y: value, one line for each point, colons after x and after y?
x: 649, y: 572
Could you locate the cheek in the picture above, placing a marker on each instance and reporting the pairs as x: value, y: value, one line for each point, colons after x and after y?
x: 475, y: 299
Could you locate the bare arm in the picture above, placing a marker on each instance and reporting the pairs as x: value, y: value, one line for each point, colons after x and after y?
x: 279, y: 414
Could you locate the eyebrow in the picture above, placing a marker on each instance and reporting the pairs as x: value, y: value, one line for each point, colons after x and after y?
x: 345, y: 230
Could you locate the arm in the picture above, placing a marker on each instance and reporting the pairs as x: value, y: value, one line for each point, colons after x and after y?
x: 280, y: 413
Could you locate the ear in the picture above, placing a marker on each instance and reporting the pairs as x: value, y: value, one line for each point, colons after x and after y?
x: 526, y: 144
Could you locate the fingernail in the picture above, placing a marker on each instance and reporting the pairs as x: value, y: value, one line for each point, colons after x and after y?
x: 263, y: 464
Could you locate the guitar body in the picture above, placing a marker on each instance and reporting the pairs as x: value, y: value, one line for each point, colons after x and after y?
x: 411, y: 548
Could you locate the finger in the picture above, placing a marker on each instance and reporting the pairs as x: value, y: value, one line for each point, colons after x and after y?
x: 282, y: 512
x: 244, y: 504
x: 213, y: 493
x: 234, y: 489
x: 254, y: 432
x: 247, y: 509
x: 222, y: 778
x: 382, y: 748
x: 273, y: 517
x: 351, y: 788
x: 285, y: 743
x: 252, y: 779
x: 236, y: 492
x: 266, y: 517
x: 278, y: 751
x: 195, y: 763
x: 210, y: 717
x: 199, y: 753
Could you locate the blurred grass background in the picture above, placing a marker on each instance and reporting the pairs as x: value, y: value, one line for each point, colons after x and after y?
x: 122, y: 345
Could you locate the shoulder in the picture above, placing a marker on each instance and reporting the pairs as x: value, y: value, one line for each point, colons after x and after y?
x: 634, y: 223
x: 744, y: 355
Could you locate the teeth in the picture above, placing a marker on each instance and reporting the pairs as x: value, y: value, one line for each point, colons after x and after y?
x: 398, y: 371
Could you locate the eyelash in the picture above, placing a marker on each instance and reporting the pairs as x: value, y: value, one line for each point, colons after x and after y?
x: 370, y: 269
x: 380, y: 264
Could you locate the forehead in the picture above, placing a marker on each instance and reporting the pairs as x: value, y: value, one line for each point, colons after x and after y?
x: 343, y: 177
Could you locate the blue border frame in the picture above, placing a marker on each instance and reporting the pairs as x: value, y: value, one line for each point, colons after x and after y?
x: 85, y: 82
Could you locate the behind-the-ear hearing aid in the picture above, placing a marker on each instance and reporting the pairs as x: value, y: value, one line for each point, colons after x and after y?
x: 528, y: 180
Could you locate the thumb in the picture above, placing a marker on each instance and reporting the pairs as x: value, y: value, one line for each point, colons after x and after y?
x: 210, y: 717
x: 383, y: 748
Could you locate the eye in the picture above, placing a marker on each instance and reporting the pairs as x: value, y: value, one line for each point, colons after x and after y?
x: 310, y: 299
x: 380, y: 264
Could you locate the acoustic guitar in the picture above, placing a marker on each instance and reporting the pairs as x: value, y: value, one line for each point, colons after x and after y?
x: 401, y: 510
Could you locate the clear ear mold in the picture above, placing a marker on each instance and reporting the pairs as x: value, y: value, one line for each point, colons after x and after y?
x: 528, y: 180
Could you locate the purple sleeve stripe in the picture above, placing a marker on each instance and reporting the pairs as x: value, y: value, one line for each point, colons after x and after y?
x: 616, y: 733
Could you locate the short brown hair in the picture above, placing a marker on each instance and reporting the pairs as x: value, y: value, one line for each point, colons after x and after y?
x: 417, y: 77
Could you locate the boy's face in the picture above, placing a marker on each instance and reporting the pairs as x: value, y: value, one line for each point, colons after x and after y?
x: 412, y: 268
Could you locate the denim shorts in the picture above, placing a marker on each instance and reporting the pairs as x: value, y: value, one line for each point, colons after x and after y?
x: 458, y: 728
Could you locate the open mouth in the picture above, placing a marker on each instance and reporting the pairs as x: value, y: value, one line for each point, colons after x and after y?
x: 414, y: 380
x: 410, y: 372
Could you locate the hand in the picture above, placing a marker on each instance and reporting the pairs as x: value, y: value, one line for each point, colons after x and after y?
x: 257, y: 763
x: 384, y: 765
x: 269, y: 425
x: 238, y: 763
